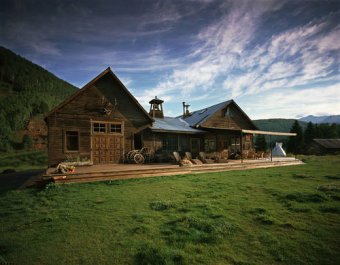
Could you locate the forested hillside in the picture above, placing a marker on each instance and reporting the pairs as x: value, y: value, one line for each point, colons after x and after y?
x: 306, y: 132
x: 278, y: 125
x: 26, y: 90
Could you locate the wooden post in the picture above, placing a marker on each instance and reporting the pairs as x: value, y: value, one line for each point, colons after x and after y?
x: 295, y: 151
x: 270, y: 147
x: 241, y: 147
x: 178, y: 145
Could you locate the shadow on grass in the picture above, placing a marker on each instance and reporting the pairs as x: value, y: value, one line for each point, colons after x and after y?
x: 150, y: 254
x: 193, y: 229
x: 15, y: 180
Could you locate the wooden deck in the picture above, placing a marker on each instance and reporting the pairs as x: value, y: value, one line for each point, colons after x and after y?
x: 126, y: 171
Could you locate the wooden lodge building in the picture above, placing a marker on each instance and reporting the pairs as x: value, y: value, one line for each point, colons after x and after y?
x: 103, y: 121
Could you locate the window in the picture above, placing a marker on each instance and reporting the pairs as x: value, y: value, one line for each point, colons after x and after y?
x: 72, y: 140
x: 115, y: 128
x: 225, y: 144
x: 170, y: 143
x: 99, y: 127
x: 209, y: 145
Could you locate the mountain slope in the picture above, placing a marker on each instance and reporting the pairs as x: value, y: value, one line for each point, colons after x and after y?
x: 321, y: 119
x: 26, y: 90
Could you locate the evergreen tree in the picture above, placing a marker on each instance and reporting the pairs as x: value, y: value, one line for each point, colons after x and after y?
x: 309, y: 133
x: 332, y: 132
x: 296, y: 143
x: 260, y: 143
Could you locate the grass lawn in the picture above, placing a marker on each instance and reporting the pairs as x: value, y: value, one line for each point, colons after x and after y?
x: 288, y: 215
x: 24, y: 160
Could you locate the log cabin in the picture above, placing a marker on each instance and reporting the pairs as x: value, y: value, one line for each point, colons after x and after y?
x: 103, y: 121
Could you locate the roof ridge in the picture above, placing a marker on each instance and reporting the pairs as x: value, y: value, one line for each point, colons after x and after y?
x: 223, y: 102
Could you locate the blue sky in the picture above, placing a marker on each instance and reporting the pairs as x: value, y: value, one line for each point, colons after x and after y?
x: 274, y: 58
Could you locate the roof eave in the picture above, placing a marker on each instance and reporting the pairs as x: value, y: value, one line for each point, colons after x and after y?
x: 177, y: 131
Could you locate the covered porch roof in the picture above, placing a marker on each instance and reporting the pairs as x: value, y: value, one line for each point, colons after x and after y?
x: 251, y: 131
x: 268, y: 132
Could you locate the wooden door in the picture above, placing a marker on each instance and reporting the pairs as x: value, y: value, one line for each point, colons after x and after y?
x: 107, y: 148
x: 115, y: 148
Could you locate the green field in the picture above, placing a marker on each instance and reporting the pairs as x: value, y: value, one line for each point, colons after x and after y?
x: 288, y: 215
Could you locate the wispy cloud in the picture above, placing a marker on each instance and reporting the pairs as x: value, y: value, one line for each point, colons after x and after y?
x: 227, y: 50
x: 202, y: 51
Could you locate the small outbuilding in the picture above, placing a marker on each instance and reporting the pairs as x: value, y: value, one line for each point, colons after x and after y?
x: 323, y: 146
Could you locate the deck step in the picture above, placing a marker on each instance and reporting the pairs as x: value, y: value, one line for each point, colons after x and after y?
x: 118, y: 172
x: 166, y: 171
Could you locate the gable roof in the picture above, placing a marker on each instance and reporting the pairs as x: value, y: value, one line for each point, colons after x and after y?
x: 91, y: 83
x: 199, y: 116
x: 328, y: 143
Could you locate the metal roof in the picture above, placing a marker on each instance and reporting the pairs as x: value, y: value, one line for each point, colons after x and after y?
x: 174, y: 125
x: 199, y: 116
x: 328, y: 143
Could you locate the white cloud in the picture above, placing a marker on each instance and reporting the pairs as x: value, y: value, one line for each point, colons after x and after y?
x: 290, y: 103
x: 330, y: 41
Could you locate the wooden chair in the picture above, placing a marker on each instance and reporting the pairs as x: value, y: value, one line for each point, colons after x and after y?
x: 193, y: 160
x: 203, y: 157
x: 177, y: 157
x: 245, y: 154
x: 260, y: 155
x: 224, y: 154
x: 251, y: 154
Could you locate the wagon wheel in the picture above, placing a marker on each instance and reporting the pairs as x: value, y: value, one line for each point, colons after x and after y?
x: 128, y: 155
x: 131, y: 154
x: 138, y: 158
x: 144, y: 150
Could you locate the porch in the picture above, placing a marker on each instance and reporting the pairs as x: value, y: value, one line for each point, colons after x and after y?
x: 105, y: 172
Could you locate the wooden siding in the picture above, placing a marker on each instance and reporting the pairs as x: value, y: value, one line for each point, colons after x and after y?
x: 112, y: 90
x: 77, y: 116
x: 238, y: 120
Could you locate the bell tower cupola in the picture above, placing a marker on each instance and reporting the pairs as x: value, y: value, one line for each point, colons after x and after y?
x: 156, y: 108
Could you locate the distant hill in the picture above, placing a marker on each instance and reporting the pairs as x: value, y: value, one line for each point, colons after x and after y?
x: 26, y: 90
x: 321, y: 119
x: 277, y: 125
